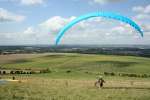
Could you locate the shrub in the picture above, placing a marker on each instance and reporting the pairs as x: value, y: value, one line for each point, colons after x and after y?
x: 144, y: 75
x: 68, y: 71
x: 106, y: 73
x: 24, y: 73
x: 45, y: 71
x: 109, y: 73
x: 11, y: 72
x: 4, y: 72
x: 17, y: 72
x: 87, y: 72
x: 21, y: 72
x: 112, y: 74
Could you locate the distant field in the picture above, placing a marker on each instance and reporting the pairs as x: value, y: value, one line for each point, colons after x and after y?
x: 78, y: 84
x: 78, y: 62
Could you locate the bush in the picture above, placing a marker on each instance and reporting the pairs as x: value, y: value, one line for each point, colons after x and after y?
x: 144, y: 75
x: 4, y: 72
x: 45, y: 71
x: 109, y: 73
x: 87, y: 72
x: 21, y: 72
x: 11, y: 72
x: 24, y: 73
x: 17, y: 72
x: 112, y: 74
x: 106, y: 73
x: 68, y: 71
x: 132, y: 75
x: 127, y: 74
x: 32, y: 72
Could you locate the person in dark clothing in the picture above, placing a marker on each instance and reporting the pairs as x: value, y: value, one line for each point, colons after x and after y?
x: 100, y: 81
x: 13, y: 78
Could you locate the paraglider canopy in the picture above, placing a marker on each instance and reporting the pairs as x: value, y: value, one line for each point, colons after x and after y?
x: 99, y: 14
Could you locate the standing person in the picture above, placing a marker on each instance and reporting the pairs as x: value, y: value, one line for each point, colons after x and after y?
x: 100, y: 81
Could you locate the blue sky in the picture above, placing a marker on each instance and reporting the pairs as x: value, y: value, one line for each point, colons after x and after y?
x: 39, y: 21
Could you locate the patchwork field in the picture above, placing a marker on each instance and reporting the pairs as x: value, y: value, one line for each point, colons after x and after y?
x: 72, y: 77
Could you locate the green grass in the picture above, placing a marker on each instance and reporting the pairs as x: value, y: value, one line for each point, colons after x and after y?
x: 20, y: 61
x: 39, y: 88
x: 84, y: 62
x: 78, y: 83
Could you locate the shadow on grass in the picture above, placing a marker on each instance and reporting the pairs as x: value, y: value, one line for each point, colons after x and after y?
x: 116, y: 63
x: 19, y: 61
x: 59, y: 56
x: 148, y: 88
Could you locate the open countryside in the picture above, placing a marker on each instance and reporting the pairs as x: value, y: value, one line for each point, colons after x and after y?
x: 71, y: 76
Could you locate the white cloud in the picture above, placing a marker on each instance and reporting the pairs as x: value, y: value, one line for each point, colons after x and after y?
x: 32, y: 2
x: 138, y: 9
x: 26, y: 2
x: 29, y: 30
x: 6, y: 16
x: 92, y: 31
x: 141, y: 9
x: 56, y: 23
x: 146, y: 27
x: 106, y: 1
x: 143, y: 12
x: 142, y: 16
x: 119, y: 29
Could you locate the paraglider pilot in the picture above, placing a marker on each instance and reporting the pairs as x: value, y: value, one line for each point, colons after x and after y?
x: 100, y: 82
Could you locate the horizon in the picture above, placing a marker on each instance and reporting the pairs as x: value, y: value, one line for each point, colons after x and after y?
x: 84, y: 45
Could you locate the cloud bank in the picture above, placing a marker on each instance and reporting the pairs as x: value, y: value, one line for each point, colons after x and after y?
x: 6, y: 16
x: 143, y: 12
x: 106, y: 1
x: 32, y: 2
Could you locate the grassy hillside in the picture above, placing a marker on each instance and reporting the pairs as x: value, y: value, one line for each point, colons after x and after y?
x: 78, y: 84
x: 79, y: 63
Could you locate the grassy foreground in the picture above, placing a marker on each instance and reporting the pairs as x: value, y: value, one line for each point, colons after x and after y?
x: 76, y: 85
x: 35, y: 88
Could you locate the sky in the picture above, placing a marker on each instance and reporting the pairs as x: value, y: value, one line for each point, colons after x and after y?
x: 34, y: 22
